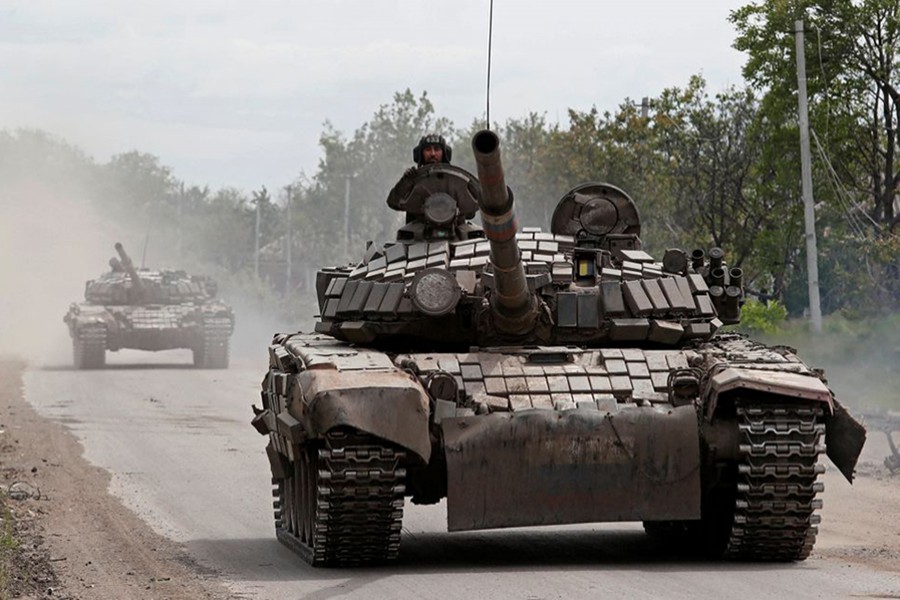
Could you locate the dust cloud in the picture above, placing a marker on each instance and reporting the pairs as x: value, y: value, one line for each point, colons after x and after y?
x: 51, y: 242
x: 53, y: 239
x: 861, y: 359
x: 257, y: 319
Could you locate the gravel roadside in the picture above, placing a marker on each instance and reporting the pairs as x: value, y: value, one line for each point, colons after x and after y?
x: 73, y: 540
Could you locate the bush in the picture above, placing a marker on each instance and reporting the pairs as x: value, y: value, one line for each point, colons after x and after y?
x: 757, y: 317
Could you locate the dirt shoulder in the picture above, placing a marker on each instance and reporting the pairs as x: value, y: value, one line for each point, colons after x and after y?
x: 861, y: 522
x: 75, y: 540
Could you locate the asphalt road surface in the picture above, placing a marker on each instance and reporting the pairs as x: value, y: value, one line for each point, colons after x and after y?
x: 182, y: 455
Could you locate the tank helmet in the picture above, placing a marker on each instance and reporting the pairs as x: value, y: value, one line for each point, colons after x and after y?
x: 432, y: 139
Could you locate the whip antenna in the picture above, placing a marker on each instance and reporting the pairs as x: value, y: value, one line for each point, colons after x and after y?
x: 488, y: 93
x: 144, y: 253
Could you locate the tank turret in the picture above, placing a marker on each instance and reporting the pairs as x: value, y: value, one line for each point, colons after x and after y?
x: 587, y: 281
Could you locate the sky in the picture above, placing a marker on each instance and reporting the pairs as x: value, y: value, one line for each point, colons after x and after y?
x: 232, y: 93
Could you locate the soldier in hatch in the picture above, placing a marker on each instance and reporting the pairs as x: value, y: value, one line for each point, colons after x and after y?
x: 432, y: 149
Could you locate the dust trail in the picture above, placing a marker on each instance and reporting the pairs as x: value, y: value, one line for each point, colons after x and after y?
x: 51, y: 242
x: 54, y: 237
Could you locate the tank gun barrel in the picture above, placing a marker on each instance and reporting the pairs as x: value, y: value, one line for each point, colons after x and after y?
x: 123, y: 256
x: 514, y: 306
x: 128, y: 265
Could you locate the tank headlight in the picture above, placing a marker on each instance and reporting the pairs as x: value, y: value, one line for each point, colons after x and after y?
x: 442, y: 386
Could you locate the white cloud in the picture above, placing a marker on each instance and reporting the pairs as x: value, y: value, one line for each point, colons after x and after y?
x: 232, y: 94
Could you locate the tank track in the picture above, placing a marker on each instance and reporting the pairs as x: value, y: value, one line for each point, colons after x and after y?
x: 89, y: 347
x: 343, y: 503
x: 213, y: 353
x: 774, y: 511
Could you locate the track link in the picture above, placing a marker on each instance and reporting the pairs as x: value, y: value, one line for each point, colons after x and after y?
x: 343, y: 503
x: 89, y: 347
x: 777, y: 488
x: 214, y: 350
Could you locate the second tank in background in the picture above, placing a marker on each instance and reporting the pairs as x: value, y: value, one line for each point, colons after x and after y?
x: 153, y: 310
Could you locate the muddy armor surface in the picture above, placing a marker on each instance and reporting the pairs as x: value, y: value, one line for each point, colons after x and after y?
x: 149, y: 310
x: 537, y: 378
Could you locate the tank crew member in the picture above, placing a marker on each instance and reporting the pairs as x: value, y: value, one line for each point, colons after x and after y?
x: 431, y: 150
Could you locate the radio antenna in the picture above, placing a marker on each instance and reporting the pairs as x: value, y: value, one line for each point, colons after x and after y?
x: 144, y: 253
x: 490, y: 36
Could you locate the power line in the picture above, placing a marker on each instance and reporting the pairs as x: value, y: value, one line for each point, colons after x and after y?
x: 844, y: 197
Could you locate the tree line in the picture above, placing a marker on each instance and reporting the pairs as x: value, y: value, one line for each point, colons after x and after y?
x: 705, y: 169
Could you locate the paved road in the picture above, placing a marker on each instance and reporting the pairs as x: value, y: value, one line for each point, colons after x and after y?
x: 182, y: 455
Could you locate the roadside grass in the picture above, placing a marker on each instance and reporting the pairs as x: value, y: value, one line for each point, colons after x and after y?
x: 8, y: 546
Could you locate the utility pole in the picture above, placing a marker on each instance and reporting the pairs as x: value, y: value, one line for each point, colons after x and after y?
x: 256, y: 240
x: 290, y: 243
x: 812, y: 258
x: 180, y: 215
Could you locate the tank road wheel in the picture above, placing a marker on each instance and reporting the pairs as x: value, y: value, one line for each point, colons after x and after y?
x: 89, y: 347
x: 211, y: 351
x: 345, y: 501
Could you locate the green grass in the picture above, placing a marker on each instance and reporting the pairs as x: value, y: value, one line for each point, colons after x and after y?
x: 8, y: 545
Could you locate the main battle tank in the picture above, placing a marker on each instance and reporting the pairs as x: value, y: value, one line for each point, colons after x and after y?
x: 538, y: 378
x: 149, y: 310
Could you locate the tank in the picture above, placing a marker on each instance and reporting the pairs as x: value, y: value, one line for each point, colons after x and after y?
x: 541, y: 378
x: 151, y: 310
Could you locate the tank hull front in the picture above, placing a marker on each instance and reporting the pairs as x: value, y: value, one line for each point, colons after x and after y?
x: 203, y: 329
x: 155, y: 339
x: 546, y: 467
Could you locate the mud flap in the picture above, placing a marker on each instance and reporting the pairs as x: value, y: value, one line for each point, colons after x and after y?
x: 542, y: 467
x: 844, y: 439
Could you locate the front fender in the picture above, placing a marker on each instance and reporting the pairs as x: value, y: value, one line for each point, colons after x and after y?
x: 844, y: 436
x: 389, y: 404
x: 786, y: 384
x: 79, y: 317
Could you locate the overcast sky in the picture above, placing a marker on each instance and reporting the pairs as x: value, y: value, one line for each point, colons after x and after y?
x: 234, y: 93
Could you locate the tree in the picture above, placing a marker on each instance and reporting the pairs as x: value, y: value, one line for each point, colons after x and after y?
x: 852, y: 76
x: 616, y: 148
x: 525, y: 143
x: 223, y: 230
x: 346, y: 200
x: 722, y: 193
x: 871, y: 41
x: 138, y: 188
